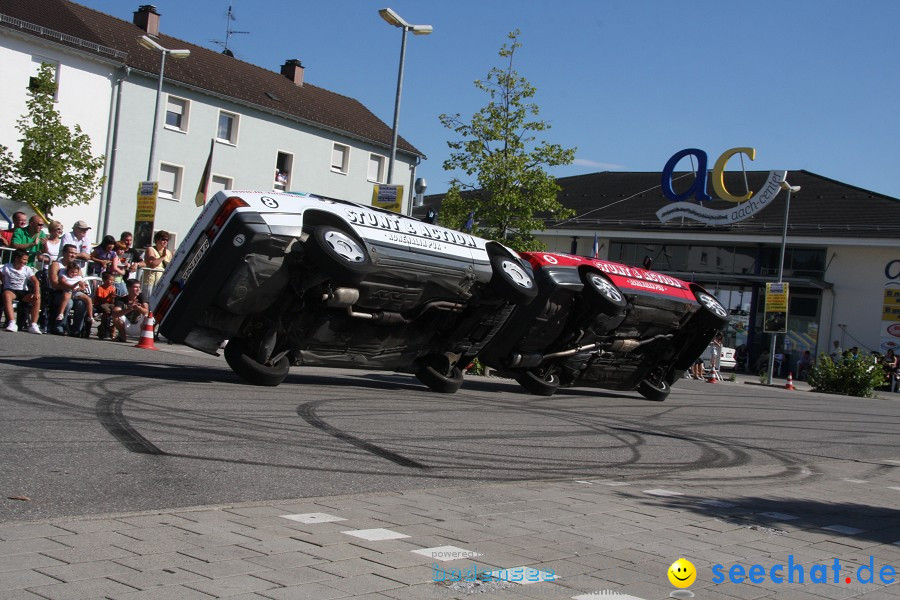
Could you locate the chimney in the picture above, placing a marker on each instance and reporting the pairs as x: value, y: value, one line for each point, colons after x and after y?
x: 293, y: 70
x: 147, y: 19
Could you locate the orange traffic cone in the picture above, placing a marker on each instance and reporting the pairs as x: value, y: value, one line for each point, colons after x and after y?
x: 146, y: 341
x: 790, y: 382
x: 711, y: 378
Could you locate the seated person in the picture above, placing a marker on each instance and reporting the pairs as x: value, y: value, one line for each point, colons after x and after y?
x: 740, y: 357
x: 130, y: 311
x: 20, y: 284
x: 697, y: 369
x: 105, y: 300
x: 804, y: 365
x: 77, y: 291
x: 60, y: 288
x: 762, y: 363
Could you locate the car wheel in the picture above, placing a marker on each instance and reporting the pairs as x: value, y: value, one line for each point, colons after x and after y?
x: 338, y: 254
x: 538, y: 384
x: 439, y: 380
x: 602, y: 293
x: 512, y: 281
x: 657, y: 392
x: 711, y: 313
x: 252, y: 371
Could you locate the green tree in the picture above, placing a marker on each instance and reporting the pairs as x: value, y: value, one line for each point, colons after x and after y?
x: 55, y: 166
x: 511, y: 193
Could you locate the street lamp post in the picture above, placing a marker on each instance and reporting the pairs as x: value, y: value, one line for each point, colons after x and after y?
x: 151, y: 44
x: 787, y: 208
x: 397, y: 21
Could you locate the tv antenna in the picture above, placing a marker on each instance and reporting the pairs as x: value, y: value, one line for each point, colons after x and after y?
x: 228, y: 33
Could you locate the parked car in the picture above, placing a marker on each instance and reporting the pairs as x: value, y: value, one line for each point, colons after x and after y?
x: 603, y: 324
x: 302, y: 279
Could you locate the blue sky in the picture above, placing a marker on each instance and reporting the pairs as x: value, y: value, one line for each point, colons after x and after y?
x: 810, y: 84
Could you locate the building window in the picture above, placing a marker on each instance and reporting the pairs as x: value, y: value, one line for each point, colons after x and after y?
x: 340, y: 157
x: 219, y: 183
x: 177, y: 113
x: 376, y: 168
x: 37, y: 63
x: 228, y: 127
x: 284, y: 164
x: 170, y: 177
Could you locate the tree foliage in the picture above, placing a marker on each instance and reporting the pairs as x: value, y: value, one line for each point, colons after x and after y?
x: 55, y: 167
x: 511, y: 193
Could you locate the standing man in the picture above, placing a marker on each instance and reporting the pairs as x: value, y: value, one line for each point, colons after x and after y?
x: 30, y: 239
x: 80, y: 238
x: 60, y: 287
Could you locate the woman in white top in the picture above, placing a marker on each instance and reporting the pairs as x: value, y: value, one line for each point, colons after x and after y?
x: 53, y: 241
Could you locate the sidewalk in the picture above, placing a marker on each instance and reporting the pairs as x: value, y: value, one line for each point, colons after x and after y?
x: 562, y: 539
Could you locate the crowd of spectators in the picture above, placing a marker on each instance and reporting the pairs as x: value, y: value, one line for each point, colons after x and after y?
x: 61, y: 283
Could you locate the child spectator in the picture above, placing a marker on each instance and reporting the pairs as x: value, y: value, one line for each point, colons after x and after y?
x: 72, y: 277
x: 17, y: 277
x: 105, y: 301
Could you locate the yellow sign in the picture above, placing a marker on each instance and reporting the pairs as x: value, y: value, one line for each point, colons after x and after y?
x: 892, y: 297
x: 146, y: 201
x: 890, y: 313
x: 775, y: 320
x: 388, y: 197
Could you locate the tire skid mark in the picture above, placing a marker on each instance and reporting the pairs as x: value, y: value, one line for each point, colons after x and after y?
x: 307, y: 412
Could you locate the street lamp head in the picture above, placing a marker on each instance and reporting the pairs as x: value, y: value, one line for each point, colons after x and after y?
x: 393, y: 18
x: 421, y: 29
x: 788, y: 187
x: 150, y: 44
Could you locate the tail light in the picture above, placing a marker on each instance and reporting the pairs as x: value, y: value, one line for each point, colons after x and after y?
x: 228, y: 207
x: 163, y: 307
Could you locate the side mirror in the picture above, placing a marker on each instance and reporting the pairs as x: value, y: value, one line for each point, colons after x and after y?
x: 648, y: 262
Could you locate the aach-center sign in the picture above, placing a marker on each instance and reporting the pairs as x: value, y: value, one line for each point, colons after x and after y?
x: 745, y: 206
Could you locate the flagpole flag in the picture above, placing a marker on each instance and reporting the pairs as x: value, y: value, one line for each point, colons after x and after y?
x: 203, y: 189
x: 595, y: 251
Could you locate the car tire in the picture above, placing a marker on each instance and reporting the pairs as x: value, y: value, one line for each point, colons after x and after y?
x: 602, y: 293
x: 438, y: 381
x: 252, y: 371
x: 711, y: 312
x: 655, y: 392
x: 512, y: 281
x: 537, y: 384
x: 339, y: 254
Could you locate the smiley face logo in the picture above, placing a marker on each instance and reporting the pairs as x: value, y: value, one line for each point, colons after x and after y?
x: 682, y: 573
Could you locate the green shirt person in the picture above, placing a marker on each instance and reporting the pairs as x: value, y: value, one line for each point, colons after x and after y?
x: 29, y: 239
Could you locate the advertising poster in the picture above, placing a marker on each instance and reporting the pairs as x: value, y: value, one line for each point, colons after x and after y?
x: 145, y: 213
x: 890, y: 307
x: 775, y: 320
x: 388, y: 197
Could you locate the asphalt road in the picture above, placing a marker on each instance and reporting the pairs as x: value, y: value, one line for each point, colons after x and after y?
x: 91, y: 427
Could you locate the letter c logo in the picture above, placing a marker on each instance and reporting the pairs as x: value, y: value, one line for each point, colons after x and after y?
x: 892, y: 269
x: 718, y: 178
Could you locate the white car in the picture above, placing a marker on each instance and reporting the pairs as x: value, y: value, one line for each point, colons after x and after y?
x: 298, y: 279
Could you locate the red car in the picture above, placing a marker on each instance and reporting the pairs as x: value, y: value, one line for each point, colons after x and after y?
x: 603, y: 324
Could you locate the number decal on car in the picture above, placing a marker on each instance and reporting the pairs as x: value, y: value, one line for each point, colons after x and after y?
x: 269, y: 201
